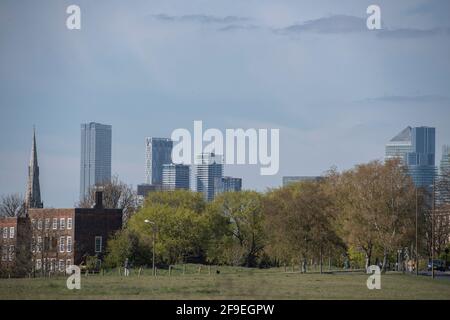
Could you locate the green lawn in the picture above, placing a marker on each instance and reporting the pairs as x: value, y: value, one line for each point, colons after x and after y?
x: 231, y: 283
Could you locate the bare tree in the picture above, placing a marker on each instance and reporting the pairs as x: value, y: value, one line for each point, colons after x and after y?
x: 116, y: 195
x: 12, y: 205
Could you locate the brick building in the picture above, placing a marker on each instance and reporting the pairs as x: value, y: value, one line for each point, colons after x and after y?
x: 15, y: 254
x: 62, y: 237
x: 51, y: 239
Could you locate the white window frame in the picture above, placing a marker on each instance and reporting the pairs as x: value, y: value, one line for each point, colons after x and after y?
x: 69, y: 244
x: 39, y: 244
x: 68, y: 262
x: 69, y: 223
x: 101, y: 244
x: 38, y: 264
x: 55, y: 224
x: 4, y: 253
x: 11, y: 232
x: 61, y: 265
x: 39, y: 224
x: 47, y: 223
x: 62, y: 223
x: 62, y: 245
x: 11, y: 253
x: 5, y: 232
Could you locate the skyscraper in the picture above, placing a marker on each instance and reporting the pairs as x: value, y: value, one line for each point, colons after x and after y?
x: 175, y: 176
x: 33, y: 195
x: 292, y: 179
x: 445, y: 160
x: 227, y: 184
x: 158, y: 151
x: 416, y: 149
x: 207, y: 168
x: 95, y: 166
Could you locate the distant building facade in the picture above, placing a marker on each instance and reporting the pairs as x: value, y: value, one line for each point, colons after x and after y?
x: 158, y: 152
x: 176, y: 176
x: 206, y: 169
x: 227, y: 184
x: 292, y: 179
x: 15, y: 253
x: 96, y: 150
x: 415, y: 147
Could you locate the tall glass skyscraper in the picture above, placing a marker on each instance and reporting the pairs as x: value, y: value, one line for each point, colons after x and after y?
x: 158, y: 152
x: 95, y: 167
x: 416, y: 148
x: 175, y: 176
x: 207, y: 168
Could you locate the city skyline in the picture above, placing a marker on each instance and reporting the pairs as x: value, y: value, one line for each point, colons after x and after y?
x: 336, y: 90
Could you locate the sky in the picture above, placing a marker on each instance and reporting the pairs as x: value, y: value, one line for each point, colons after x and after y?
x: 336, y: 90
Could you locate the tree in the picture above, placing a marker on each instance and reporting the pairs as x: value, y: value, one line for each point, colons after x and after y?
x: 116, y: 195
x: 299, y: 221
x: 242, y: 239
x: 180, y: 230
x: 12, y: 205
x: 378, y: 208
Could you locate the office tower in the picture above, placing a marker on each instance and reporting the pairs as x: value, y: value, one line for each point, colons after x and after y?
x: 227, y: 184
x: 175, y: 176
x: 445, y: 160
x: 416, y: 149
x: 158, y: 151
x: 443, y: 190
x: 33, y: 195
x: 96, y: 144
x: 292, y: 179
x: 207, y: 167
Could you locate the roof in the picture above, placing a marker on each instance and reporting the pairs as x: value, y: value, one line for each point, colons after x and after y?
x: 404, y: 136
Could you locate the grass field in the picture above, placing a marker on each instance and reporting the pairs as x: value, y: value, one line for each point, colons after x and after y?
x: 231, y: 283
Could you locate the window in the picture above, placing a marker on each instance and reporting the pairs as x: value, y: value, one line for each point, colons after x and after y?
x: 69, y: 244
x: 62, y: 223
x: 47, y: 223
x: 33, y: 223
x: 11, y: 253
x: 68, y: 262
x: 38, y: 264
x: 4, y: 253
x: 33, y: 244
x: 5, y: 233
x: 40, y: 224
x: 61, y: 265
x: 61, y: 244
x: 69, y: 223
x: 55, y: 223
x: 11, y: 232
x: 39, y: 244
x: 98, y: 244
x: 52, y: 264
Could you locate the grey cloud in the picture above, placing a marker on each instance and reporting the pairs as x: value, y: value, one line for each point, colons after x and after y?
x: 332, y: 24
x: 412, y: 33
x: 237, y: 27
x: 344, y: 24
x: 409, y: 99
x: 200, y: 18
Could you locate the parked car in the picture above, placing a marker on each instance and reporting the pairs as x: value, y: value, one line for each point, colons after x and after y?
x: 437, y: 265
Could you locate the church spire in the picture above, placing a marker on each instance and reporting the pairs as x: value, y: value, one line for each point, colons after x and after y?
x: 33, y: 196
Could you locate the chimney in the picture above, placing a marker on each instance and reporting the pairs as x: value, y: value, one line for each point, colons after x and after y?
x: 98, y: 200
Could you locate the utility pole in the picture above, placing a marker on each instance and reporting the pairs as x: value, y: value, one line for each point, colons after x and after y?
x: 432, y: 229
x: 417, y: 233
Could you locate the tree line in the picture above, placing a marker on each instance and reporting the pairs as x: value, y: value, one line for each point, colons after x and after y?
x: 362, y: 216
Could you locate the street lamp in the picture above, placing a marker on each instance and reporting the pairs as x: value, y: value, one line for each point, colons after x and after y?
x: 153, y: 224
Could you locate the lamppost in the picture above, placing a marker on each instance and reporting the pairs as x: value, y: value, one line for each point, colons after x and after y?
x: 153, y: 224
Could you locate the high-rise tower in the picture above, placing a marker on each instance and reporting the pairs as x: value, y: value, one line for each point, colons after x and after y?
x: 33, y: 195
x: 95, y: 166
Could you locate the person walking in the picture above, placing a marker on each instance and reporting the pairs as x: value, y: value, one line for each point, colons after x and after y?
x: 126, y: 267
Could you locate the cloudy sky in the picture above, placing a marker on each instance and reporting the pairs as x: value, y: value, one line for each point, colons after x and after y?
x: 336, y: 90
